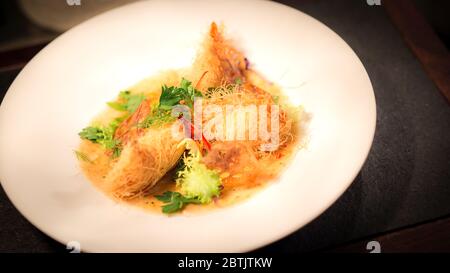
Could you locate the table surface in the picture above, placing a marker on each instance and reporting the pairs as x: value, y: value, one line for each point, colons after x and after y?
x: 405, y: 180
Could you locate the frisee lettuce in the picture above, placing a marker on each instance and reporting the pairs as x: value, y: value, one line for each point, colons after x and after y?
x: 103, y: 135
x: 197, y: 183
x: 195, y: 180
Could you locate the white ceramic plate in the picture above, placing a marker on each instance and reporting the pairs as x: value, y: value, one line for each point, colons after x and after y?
x: 70, y: 80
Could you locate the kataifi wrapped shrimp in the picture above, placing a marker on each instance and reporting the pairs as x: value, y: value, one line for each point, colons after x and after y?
x: 149, y: 153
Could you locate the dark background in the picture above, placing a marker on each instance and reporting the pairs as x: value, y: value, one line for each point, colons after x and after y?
x: 406, y: 179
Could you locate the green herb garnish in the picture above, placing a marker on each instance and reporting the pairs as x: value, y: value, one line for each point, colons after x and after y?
x: 104, y: 136
x: 157, y: 117
x: 198, y: 184
x: 171, y: 96
x: 174, y: 201
x: 196, y: 180
x: 127, y: 102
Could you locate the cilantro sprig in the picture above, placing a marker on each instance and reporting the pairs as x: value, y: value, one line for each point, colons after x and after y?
x: 174, y: 201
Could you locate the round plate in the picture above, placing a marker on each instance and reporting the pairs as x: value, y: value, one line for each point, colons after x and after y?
x: 69, y: 81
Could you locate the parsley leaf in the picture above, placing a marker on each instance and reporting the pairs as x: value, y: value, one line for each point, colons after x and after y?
x: 92, y: 133
x: 174, y: 201
x: 171, y: 96
x: 127, y: 102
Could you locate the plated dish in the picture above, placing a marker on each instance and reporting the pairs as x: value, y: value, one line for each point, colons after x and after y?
x: 113, y: 65
x: 209, y: 134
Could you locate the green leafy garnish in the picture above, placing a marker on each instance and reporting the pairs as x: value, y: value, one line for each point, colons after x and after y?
x: 127, y: 102
x: 117, y: 106
x: 157, y: 117
x: 174, y: 201
x: 197, y: 183
x: 103, y: 135
x: 170, y: 96
x: 195, y: 180
x: 184, y: 94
